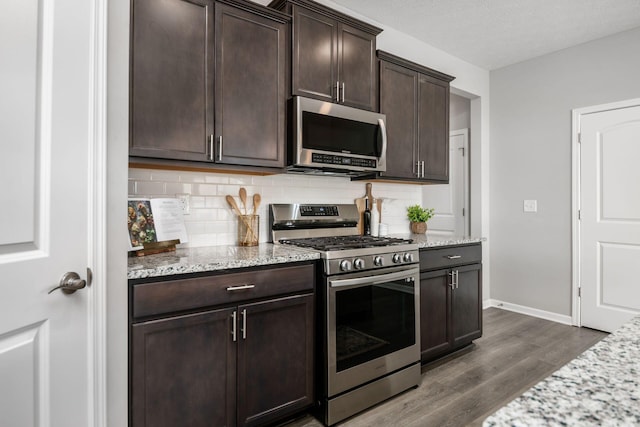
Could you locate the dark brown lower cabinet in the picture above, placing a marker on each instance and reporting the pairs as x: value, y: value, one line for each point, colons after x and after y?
x: 450, y: 309
x: 249, y: 363
x: 183, y: 371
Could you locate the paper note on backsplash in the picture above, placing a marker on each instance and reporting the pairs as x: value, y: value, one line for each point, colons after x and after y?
x: 155, y: 220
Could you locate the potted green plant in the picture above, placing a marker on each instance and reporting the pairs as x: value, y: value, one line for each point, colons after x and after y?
x: 418, y: 216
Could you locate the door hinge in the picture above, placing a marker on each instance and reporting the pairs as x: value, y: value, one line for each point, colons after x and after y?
x: 579, y: 215
x: 579, y: 291
x: 579, y: 137
x: 462, y: 211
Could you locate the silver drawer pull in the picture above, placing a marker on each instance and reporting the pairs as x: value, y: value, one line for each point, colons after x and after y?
x: 454, y: 256
x: 240, y: 288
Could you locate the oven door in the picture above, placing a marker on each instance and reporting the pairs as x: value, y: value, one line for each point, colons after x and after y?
x: 372, y: 325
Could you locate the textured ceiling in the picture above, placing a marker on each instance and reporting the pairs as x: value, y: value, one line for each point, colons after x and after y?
x: 496, y: 33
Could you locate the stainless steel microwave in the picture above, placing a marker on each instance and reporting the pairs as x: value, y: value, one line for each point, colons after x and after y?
x: 335, y: 139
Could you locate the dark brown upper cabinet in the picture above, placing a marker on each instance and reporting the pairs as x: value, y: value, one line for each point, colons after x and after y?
x: 208, y: 83
x: 415, y: 100
x: 333, y: 55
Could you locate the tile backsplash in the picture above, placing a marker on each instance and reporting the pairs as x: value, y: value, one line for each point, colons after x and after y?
x: 212, y: 222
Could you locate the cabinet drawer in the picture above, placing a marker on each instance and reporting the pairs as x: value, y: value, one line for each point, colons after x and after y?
x: 186, y: 294
x: 450, y: 256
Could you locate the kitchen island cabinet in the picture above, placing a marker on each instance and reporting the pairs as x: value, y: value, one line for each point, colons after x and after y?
x: 415, y: 100
x: 333, y: 55
x: 450, y: 299
x: 226, y: 349
x: 208, y: 84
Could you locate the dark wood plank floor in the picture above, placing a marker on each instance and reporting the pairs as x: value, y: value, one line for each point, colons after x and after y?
x: 514, y: 353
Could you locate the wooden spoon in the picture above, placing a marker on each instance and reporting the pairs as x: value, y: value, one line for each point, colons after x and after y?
x: 233, y: 204
x: 243, y: 199
x: 256, y: 203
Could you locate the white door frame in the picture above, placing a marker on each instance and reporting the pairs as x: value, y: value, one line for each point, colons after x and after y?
x: 97, y: 246
x: 576, y: 115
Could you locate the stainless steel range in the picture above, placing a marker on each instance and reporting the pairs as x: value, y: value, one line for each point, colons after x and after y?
x: 368, y: 306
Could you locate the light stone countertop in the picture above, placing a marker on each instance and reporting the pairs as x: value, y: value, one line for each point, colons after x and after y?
x: 434, y: 240
x: 212, y: 258
x: 601, y: 387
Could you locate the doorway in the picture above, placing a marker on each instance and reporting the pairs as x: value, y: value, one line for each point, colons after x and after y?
x: 451, y: 201
x: 606, y: 231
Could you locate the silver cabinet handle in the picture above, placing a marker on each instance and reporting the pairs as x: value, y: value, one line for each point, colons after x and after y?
x: 244, y: 324
x: 233, y: 325
x: 338, y: 91
x: 453, y: 256
x: 240, y: 288
x: 343, y: 92
x: 211, y: 153
x: 452, y: 284
x: 457, y: 278
x: 422, y: 169
x: 220, y: 148
x: 418, y: 168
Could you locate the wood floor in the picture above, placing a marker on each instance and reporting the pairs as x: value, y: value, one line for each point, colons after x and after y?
x: 514, y: 353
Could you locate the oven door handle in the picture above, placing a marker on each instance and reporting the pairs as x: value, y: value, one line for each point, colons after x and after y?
x: 373, y: 280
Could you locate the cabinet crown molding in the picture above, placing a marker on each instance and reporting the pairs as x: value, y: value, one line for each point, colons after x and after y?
x: 324, y: 10
x: 386, y: 56
x: 258, y: 9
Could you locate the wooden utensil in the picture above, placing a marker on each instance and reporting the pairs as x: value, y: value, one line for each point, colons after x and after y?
x: 233, y: 204
x: 256, y: 203
x: 379, y: 207
x: 360, y: 204
x: 368, y: 194
x: 243, y: 198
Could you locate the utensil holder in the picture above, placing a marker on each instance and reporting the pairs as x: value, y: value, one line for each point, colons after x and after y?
x: 248, y: 230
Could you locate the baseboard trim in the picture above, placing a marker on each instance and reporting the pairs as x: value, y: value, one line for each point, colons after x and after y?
x: 529, y: 311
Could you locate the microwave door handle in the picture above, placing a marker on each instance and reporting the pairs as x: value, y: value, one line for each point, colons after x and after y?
x: 383, y: 132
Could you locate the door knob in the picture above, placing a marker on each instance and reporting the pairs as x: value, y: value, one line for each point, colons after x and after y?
x: 71, y: 282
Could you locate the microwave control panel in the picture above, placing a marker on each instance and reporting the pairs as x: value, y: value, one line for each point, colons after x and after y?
x: 334, y: 159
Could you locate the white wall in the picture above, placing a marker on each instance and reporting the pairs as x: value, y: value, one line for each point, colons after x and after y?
x: 459, y: 112
x: 531, y: 106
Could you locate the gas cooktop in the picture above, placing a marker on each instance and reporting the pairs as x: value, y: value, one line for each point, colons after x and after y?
x: 336, y: 243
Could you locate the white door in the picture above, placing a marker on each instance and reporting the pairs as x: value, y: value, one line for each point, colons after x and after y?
x: 610, y: 217
x: 450, y: 201
x: 45, y: 135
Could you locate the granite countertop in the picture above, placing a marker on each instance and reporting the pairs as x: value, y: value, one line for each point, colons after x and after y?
x: 212, y: 258
x: 435, y: 240
x: 601, y: 387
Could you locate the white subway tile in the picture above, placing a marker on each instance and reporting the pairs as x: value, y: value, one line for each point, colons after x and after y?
x: 150, y: 188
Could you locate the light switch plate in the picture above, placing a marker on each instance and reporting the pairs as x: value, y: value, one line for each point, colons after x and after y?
x: 184, y: 199
x: 530, y: 206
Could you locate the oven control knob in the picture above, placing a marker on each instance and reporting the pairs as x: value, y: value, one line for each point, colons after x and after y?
x: 345, y: 265
x: 358, y: 263
x: 408, y: 257
x: 378, y: 260
x: 397, y: 259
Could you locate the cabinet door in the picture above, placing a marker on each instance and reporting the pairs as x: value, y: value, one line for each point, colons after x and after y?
x: 315, y: 55
x: 357, y: 71
x: 275, y: 360
x: 171, y: 99
x: 433, y: 128
x: 183, y: 371
x: 466, y: 305
x: 398, y: 101
x: 435, y: 329
x: 250, y: 88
